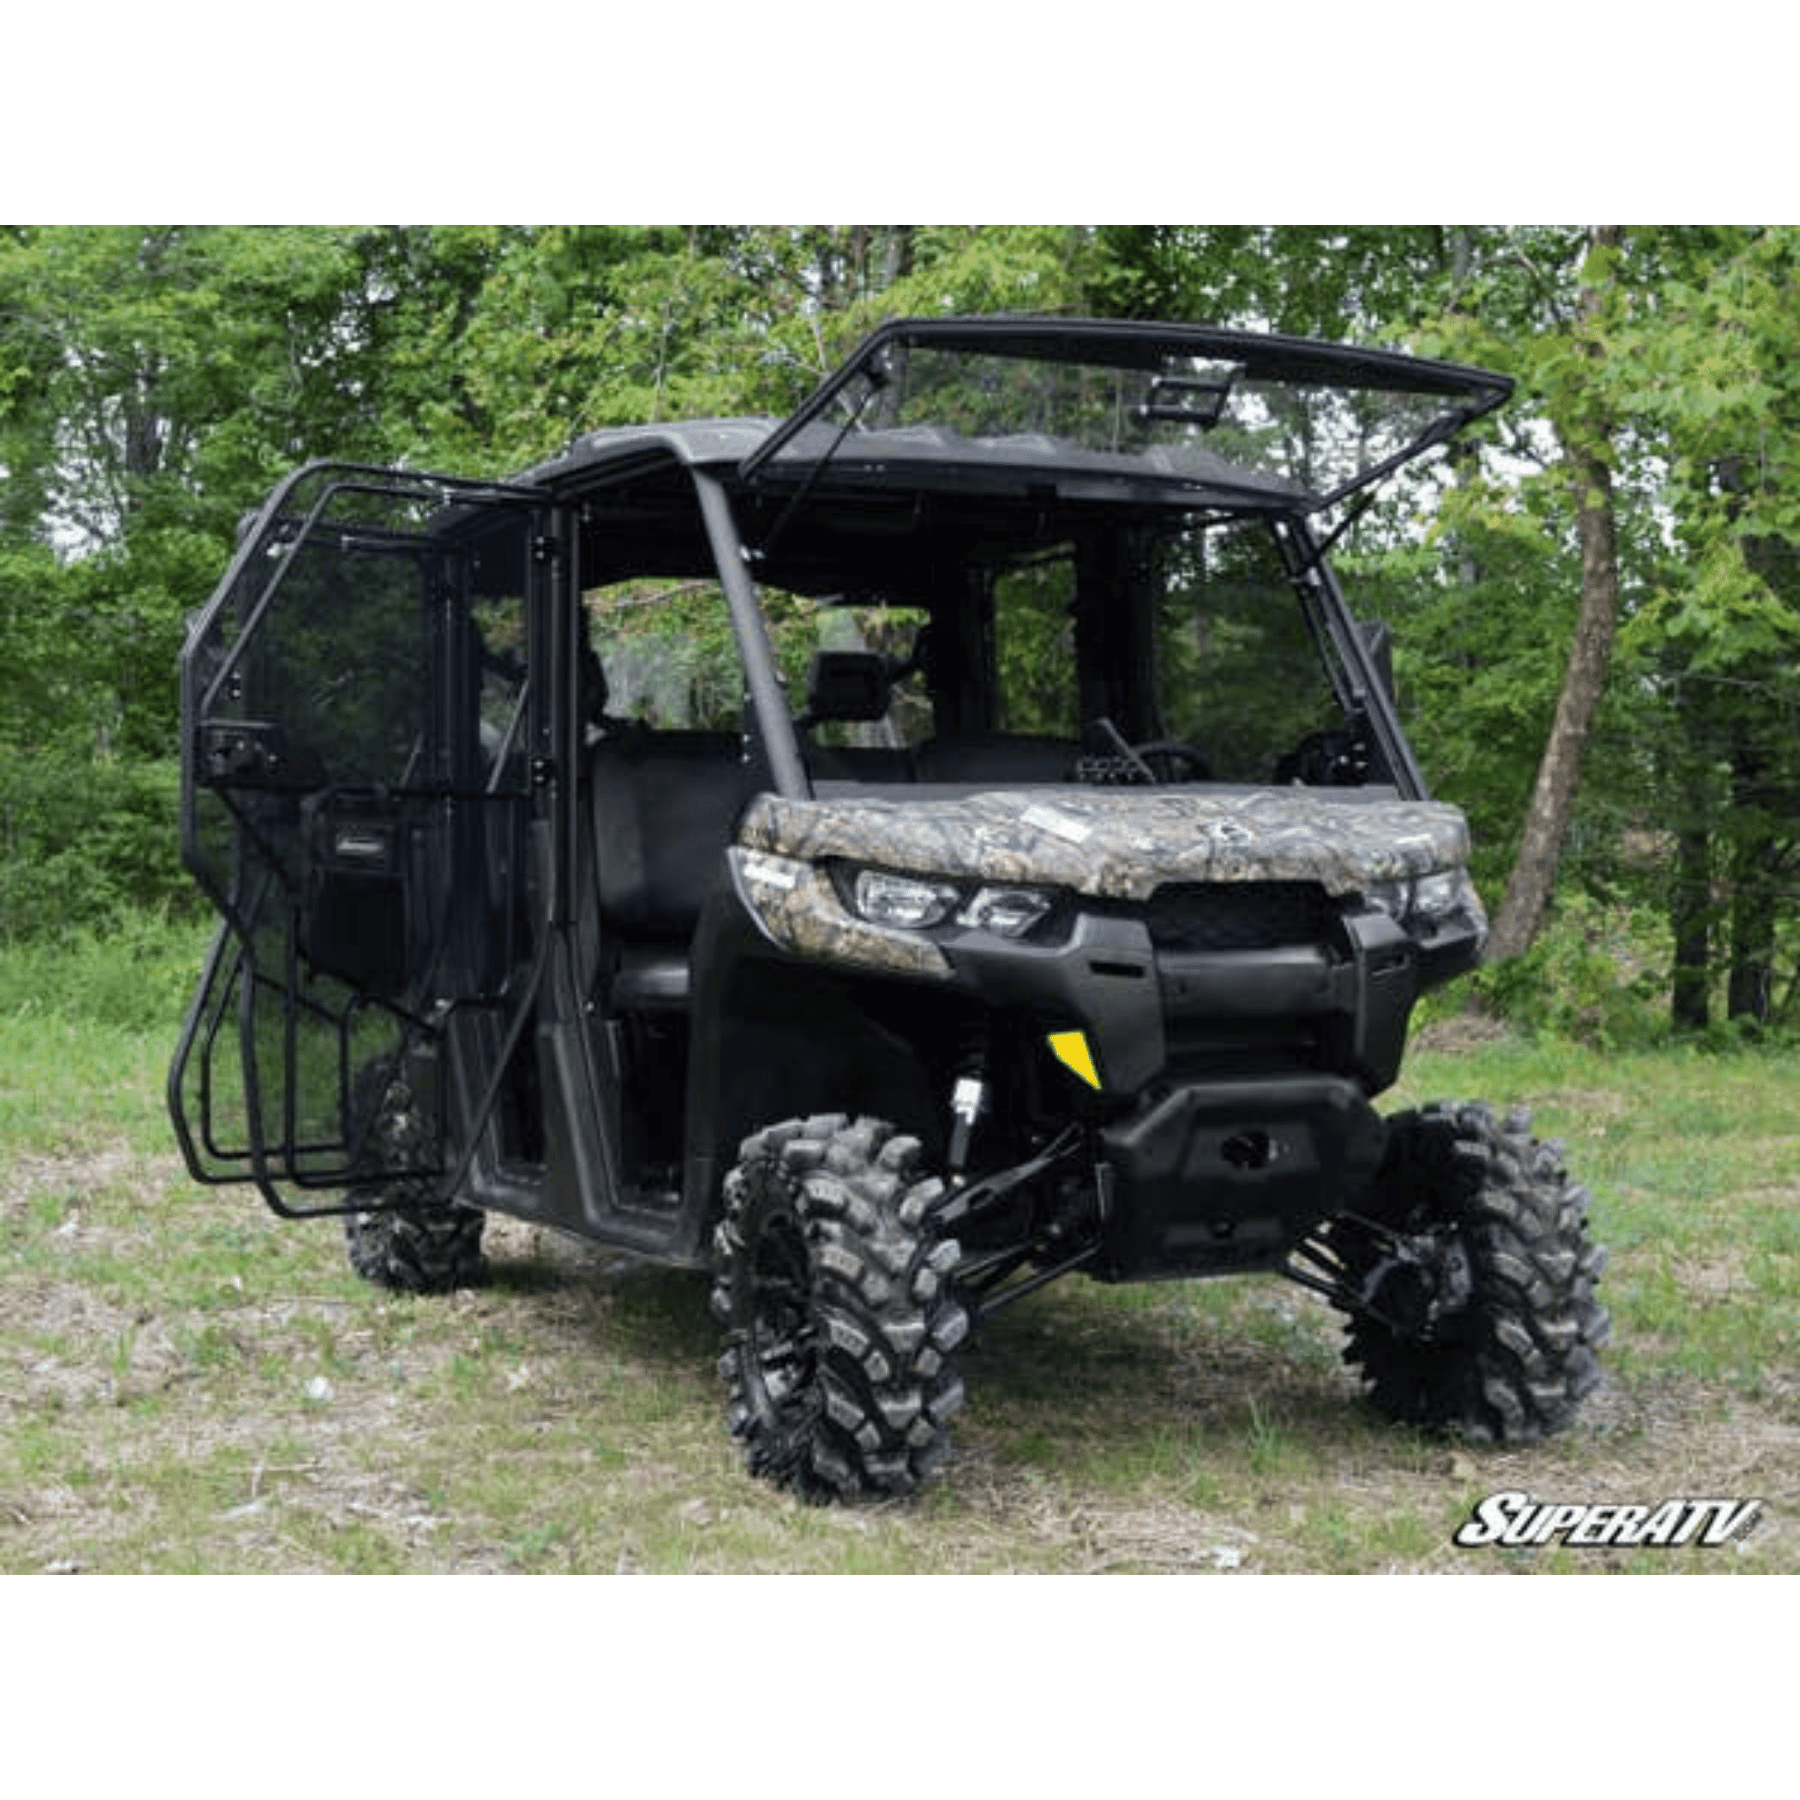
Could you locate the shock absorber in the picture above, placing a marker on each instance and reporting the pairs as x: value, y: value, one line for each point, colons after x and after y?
x: 969, y: 1091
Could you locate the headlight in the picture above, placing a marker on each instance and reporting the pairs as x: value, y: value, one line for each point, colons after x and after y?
x: 916, y: 903
x: 901, y: 901
x: 1427, y: 902
x: 802, y: 908
x: 1391, y: 897
x: 1009, y: 912
x: 1437, y: 897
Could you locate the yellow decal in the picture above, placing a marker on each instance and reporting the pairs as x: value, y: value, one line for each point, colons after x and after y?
x: 1071, y: 1049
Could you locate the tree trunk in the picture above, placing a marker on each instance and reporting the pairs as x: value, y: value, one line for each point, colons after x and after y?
x: 1533, y: 877
x: 896, y: 254
x: 1762, y: 802
x: 1685, y: 773
x: 1586, y: 444
x: 1690, y: 924
x: 1750, y: 985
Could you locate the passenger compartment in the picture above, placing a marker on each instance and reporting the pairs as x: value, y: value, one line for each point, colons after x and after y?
x: 664, y: 805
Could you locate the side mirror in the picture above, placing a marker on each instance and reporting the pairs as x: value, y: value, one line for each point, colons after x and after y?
x: 848, y: 687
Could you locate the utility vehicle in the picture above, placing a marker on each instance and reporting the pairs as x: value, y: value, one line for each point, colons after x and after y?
x: 887, y: 859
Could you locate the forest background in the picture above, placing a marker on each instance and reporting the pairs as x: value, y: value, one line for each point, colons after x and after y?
x: 1595, y: 623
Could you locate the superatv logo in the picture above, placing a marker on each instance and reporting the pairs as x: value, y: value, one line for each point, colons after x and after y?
x: 1514, y: 1519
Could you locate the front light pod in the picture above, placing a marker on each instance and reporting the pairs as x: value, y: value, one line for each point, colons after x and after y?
x: 901, y: 902
x: 1437, y: 897
x: 1424, y: 903
x: 800, y: 908
x: 1008, y: 912
x: 1391, y: 897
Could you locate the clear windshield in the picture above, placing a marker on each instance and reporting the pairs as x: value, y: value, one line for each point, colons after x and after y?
x: 1229, y: 416
x: 1215, y: 666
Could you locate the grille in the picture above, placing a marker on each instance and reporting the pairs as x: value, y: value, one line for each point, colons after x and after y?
x: 1243, y: 915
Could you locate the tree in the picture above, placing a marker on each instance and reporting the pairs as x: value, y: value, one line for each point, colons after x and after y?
x: 157, y: 379
x: 1580, y: 416
x: 1673, y: 444
x: 1714, y: 364
x: 153, y: 382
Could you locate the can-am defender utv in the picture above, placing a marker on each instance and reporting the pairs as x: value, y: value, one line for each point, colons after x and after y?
x: 888, y: 859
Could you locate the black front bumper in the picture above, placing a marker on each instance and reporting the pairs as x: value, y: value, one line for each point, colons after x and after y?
x: 1211, y: 1177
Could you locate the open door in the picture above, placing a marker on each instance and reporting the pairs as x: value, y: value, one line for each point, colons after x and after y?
x: 364, y: 744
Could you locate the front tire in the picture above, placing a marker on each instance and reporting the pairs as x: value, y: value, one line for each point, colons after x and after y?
x: 1469, y: 1279
x: 840, y: 1316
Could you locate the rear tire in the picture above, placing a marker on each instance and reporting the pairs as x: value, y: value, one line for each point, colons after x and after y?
x: 840, y: 1316
x: 412, y: 1242
x: 1469, y: 1279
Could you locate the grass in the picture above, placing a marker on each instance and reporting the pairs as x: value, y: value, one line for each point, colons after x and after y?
x: 189, y: 1384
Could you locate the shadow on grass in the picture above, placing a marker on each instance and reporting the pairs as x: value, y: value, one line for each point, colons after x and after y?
x: 625, y: 1307
x: 1079, y: 1375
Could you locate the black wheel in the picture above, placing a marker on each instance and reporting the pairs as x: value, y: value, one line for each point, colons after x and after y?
x: 1469, y: 1279
x: 413, y: 1242
x: 840, y: 1316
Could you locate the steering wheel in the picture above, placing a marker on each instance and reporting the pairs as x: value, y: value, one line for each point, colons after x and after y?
x: 1166, y: 758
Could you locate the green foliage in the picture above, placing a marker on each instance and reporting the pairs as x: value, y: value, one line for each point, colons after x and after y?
x: 518, y: 340
x: 85, y: 842
x: 136, y: 975
x: 1473, y: 605
x: 1367, y: 283
x: 669, y: 655
x: 34, y: 677
x: 1596, y: 976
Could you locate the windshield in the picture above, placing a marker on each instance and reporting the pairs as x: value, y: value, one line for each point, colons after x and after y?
x: 1228, y: 417
x: 1195, y: 657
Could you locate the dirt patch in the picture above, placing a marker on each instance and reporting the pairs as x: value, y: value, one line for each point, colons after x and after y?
x: 1465, y: 1030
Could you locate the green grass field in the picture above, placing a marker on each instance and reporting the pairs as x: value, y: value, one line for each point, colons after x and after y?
x: 188, y: 1384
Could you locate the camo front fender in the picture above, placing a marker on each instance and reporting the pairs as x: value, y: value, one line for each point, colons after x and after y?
x: 1113, y: 844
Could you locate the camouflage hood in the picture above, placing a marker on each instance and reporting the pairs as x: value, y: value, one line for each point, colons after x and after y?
x: 1123, y: 844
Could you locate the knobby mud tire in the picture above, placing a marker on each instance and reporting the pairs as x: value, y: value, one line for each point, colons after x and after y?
x: 840, y: 1316
x: 413, y: 1242
x: 1510, y: 1361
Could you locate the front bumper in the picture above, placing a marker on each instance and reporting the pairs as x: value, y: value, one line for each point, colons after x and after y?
x: 1208, y: 1178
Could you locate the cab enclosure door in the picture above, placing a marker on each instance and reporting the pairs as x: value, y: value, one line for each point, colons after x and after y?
x: 361, y: 734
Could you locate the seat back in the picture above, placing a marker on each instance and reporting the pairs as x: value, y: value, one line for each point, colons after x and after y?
x: 664, y: 806
x: 997, y: 757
